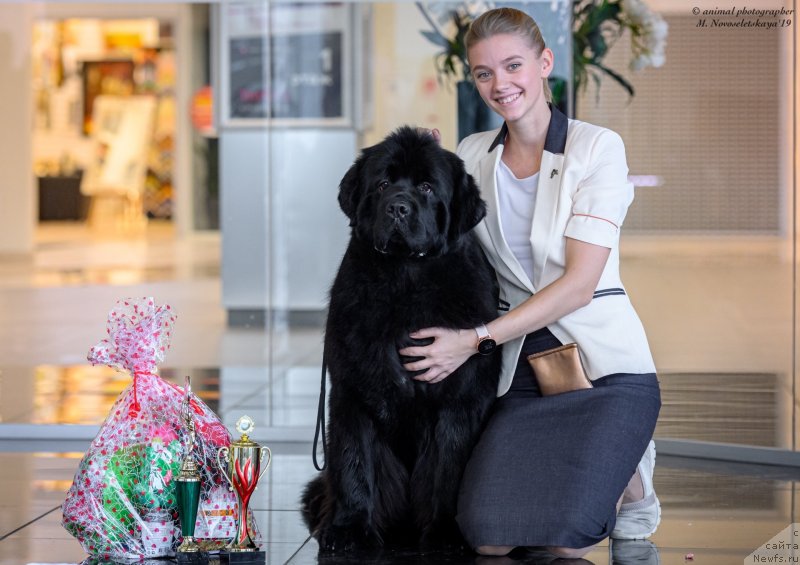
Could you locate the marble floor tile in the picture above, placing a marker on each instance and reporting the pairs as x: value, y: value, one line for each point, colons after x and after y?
x: 724, y: 352
x: 718, y: 516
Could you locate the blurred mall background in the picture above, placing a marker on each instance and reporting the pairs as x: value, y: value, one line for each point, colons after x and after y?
x: 192, y: 152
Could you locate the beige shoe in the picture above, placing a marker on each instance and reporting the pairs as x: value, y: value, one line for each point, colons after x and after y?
x: 639, y: 520
x: 633, y: 552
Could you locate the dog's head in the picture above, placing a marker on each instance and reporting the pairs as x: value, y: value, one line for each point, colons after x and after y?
x: 408, y: 196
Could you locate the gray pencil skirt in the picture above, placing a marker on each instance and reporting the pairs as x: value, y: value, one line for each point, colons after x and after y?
x: 548, y: 471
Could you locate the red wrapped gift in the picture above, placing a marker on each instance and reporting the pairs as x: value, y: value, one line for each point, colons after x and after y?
x: 122, y: 503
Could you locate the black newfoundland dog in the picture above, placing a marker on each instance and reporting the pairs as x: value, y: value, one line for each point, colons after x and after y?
x: 397, y: 447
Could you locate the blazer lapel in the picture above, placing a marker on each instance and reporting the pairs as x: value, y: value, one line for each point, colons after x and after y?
x: 486, y: 174
x: 549, y: 185
x: 548, y: 188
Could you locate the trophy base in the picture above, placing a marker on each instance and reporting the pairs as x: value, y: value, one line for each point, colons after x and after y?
x: 192, y: 558
x: 243, y: 557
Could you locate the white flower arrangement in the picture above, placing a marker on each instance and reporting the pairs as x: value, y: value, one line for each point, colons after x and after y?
x: 648, y: 34
x: 597, y: 24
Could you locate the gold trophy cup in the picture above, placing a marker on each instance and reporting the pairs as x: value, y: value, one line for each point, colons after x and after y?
x: 241, y: 464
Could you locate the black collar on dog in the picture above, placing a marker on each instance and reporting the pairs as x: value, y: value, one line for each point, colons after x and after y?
x: 556, y: 140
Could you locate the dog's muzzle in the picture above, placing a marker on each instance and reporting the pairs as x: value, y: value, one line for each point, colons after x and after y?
x: 398, y: 208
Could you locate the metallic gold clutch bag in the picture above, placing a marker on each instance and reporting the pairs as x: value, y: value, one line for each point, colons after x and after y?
x: 559, y: 370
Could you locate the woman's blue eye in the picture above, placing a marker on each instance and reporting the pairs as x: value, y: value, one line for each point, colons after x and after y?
x: 514, y: 66
x: 482, y: 76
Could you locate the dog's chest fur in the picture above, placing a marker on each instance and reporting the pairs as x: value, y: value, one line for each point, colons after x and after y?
x: 388, y: 298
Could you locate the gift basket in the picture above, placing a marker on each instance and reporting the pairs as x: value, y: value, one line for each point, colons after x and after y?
x: 122, y: 503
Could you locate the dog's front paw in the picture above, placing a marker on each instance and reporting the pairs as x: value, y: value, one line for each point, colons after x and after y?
x: 335, y: 538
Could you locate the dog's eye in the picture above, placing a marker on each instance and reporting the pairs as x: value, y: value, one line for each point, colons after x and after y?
x: 382, y: 185
x: 425, y: 187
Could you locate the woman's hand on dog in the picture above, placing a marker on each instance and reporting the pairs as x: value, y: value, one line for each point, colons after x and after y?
x: 434, y: 133
x: 449, y: 350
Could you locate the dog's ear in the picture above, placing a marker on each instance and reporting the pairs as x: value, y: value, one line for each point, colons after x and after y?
x: 350, y: 192
x: 467, y: 207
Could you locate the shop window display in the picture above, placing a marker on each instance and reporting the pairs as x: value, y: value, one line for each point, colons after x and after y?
x: 75, y: 62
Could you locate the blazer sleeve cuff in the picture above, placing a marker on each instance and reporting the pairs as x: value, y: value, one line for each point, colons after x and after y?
x: 593, y: 229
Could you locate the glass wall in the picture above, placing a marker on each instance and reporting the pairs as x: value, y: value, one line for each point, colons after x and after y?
x: 302, y: 88
x: 708, y: 249
x: 96, y: 201
x: 708, y: 244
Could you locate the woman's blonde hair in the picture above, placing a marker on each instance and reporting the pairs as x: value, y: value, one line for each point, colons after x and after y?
x: 511, y: 22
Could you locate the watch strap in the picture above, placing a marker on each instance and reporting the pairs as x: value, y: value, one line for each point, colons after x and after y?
x: 483, y: 332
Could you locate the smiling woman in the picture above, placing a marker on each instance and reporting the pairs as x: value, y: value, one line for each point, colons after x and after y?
x: 555, y: 268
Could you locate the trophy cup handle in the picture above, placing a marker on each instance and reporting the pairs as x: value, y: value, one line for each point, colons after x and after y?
x: 222, y: 464
x: 268, y: 451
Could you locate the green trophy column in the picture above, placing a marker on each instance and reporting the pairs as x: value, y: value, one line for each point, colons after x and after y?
x: 188, y: 496
x: 187, y: 487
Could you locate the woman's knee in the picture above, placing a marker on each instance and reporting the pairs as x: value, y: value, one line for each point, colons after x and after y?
x: 494, y: 550
x: 569, y: 552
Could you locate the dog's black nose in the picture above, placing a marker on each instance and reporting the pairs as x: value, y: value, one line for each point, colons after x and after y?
x: 398, y: 209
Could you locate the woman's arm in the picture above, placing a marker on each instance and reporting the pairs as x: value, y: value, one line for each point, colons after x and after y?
x: 573, y: 290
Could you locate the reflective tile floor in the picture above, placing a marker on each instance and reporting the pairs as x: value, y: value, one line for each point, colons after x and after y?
x: 719, y: 513
x: 724, y: 354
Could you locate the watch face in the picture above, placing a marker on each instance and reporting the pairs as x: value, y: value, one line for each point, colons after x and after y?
x: 486, y: 346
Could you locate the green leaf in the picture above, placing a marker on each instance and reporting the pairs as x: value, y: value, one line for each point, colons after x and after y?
x: 579, y: 11
x: 595, y: 15
x: 597, y: 43
x: 605, y: 11
x: 558, y: 87
x: 453, y: 56
x: 434, y: 38
x: 617, y: 77
x: 597, y: 89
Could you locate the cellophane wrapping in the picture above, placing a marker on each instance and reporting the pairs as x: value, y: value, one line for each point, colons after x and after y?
x: 122, y: 502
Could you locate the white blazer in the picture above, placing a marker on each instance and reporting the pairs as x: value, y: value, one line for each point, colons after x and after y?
x: 583, y: 193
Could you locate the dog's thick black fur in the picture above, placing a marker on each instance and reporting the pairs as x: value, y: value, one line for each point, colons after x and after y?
x: 397, y: 447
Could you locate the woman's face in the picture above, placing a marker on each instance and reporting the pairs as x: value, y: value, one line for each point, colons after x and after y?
x: 508, y: 74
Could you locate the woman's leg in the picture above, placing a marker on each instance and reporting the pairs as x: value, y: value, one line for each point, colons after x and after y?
x: 563, y: 552
x: 639, y: 515
x: 494, y: 550
x: 500, y: 489
x: 634, y: 492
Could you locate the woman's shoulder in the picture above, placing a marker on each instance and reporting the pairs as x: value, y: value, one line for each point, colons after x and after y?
x: 585, y: 132
x: 476, y: 144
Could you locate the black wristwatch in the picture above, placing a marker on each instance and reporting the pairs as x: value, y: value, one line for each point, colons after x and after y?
x: 486, y: 345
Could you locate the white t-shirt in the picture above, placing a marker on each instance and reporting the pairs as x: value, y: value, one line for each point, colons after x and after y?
x: 517, y: 198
